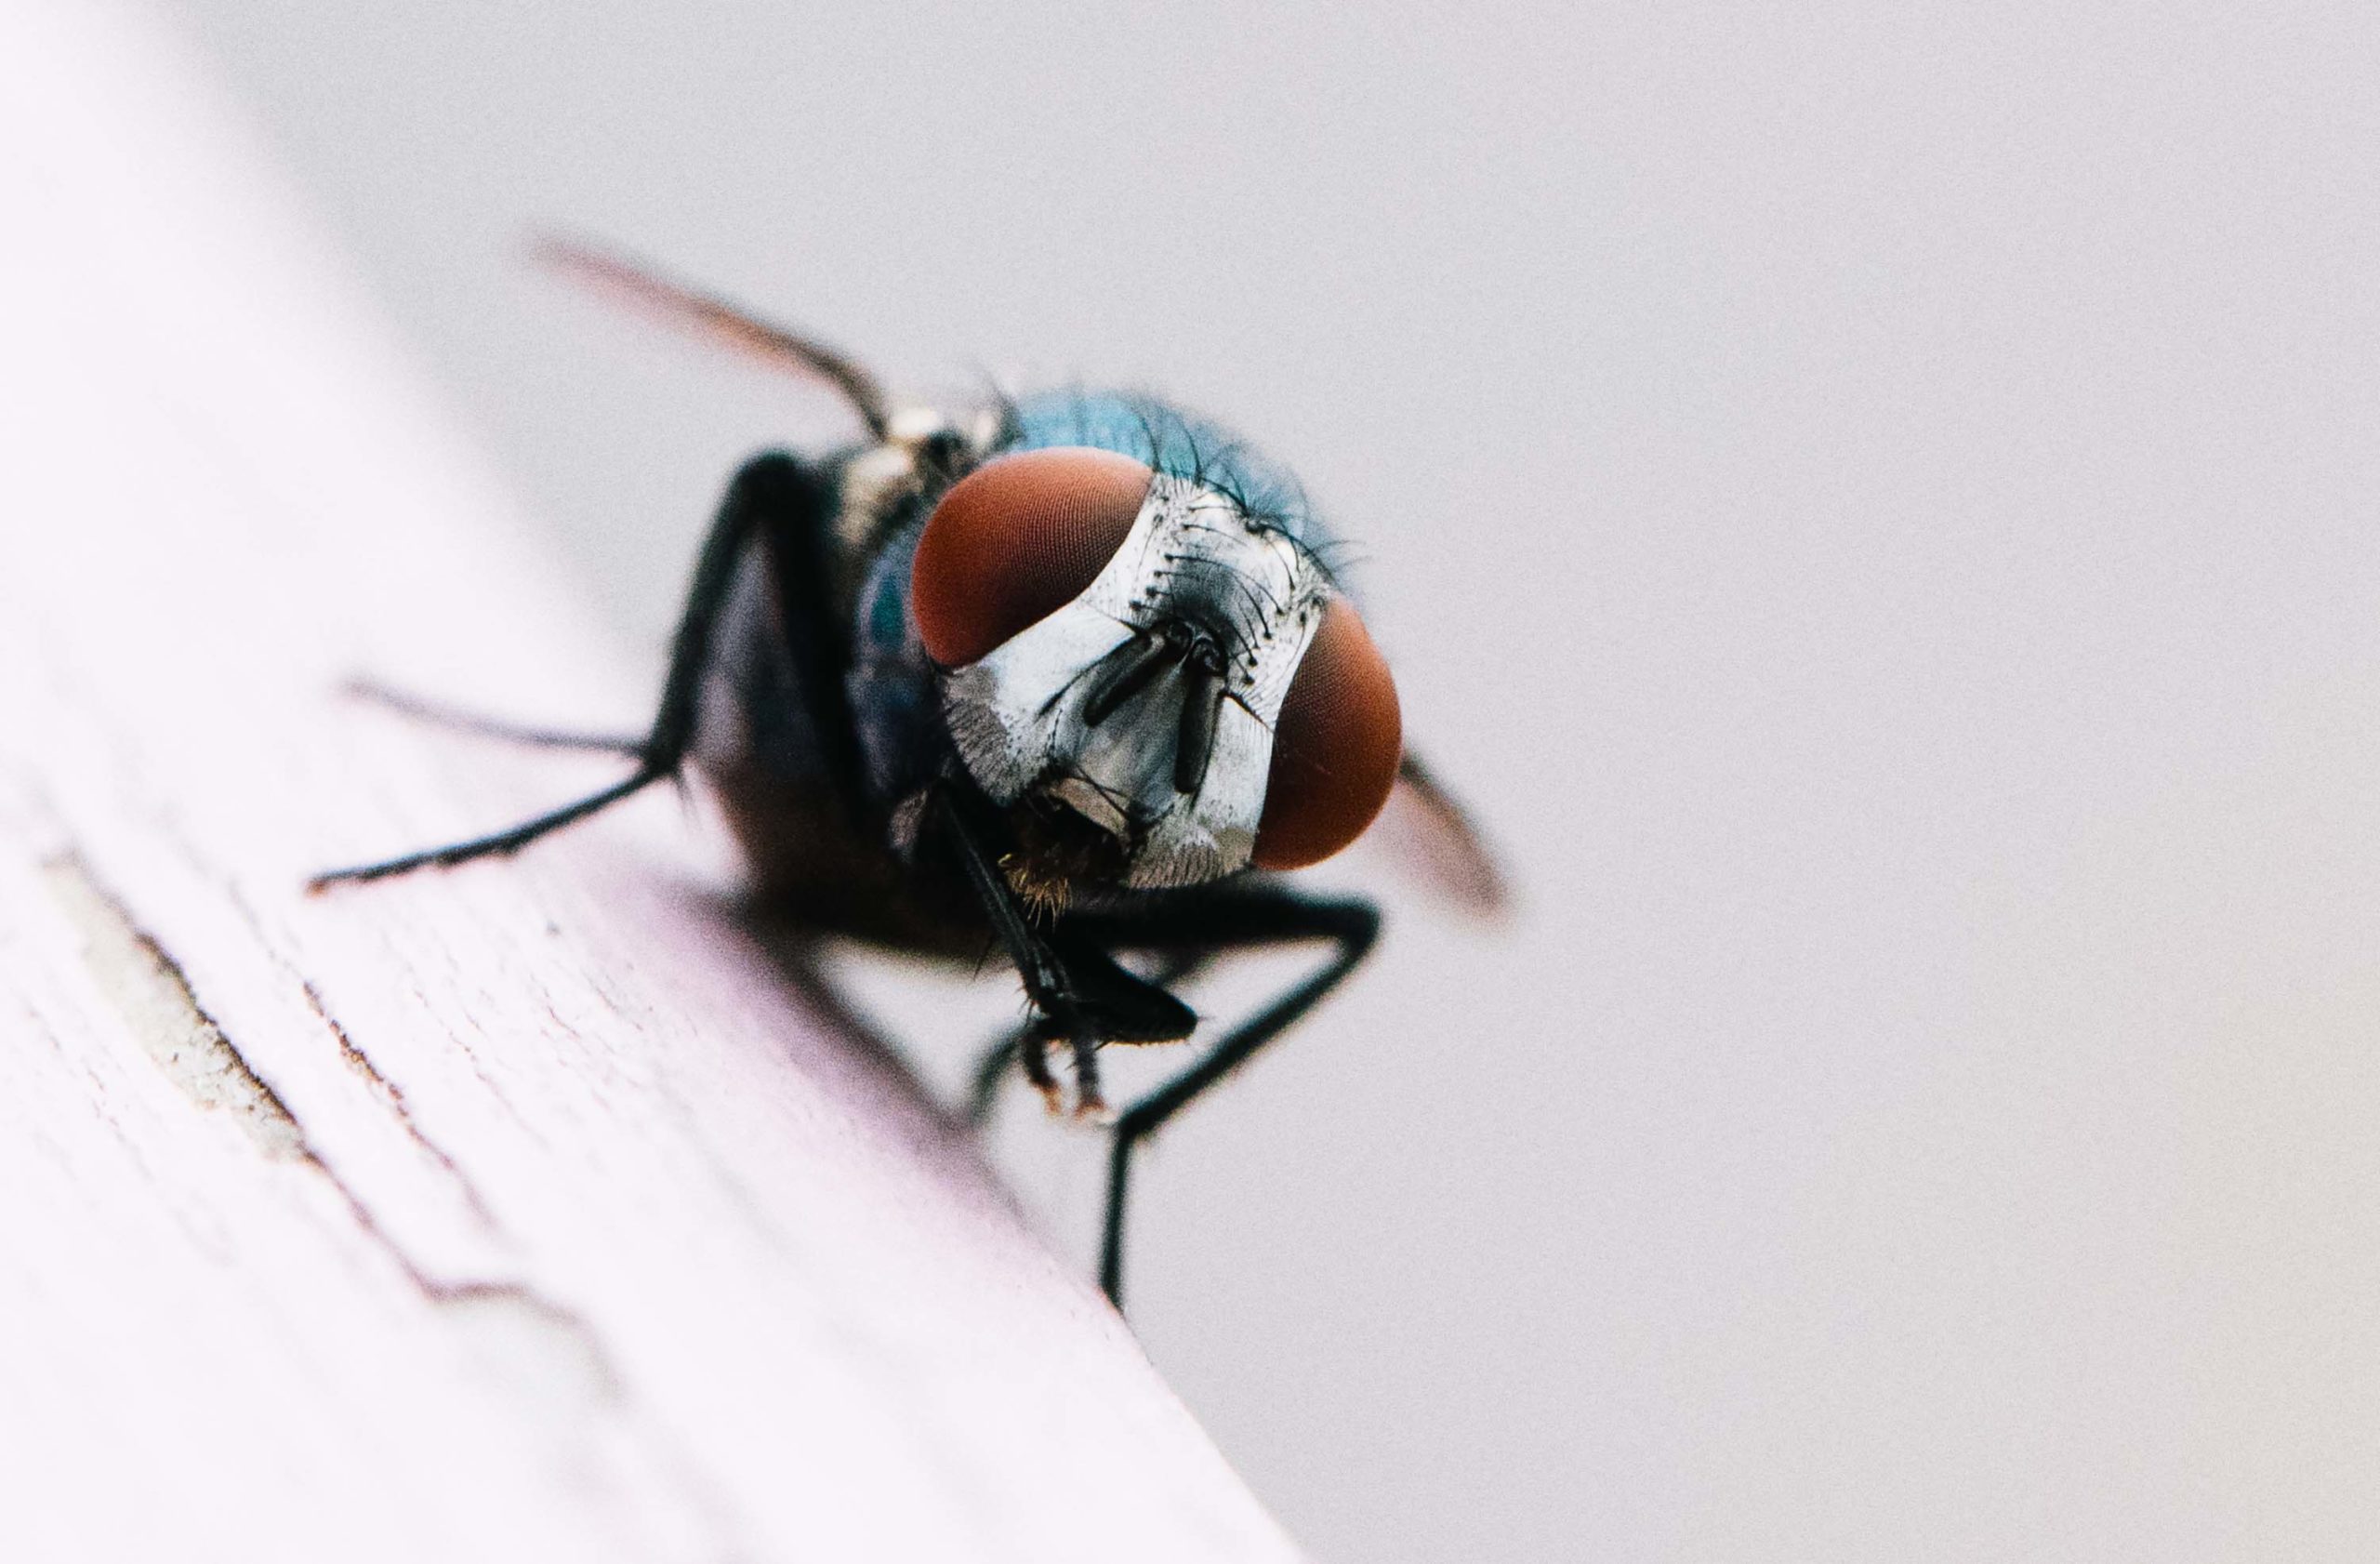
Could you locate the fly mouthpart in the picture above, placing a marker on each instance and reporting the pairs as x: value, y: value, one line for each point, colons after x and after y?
x: 1095, y: 803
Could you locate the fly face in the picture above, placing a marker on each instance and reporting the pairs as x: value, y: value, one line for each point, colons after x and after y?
x: 1146, y: 705
x: 1133, y: 721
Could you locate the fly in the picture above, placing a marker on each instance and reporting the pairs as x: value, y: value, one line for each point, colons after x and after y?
x: 1070, y: 675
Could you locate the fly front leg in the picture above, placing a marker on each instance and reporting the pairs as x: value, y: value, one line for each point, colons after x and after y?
x: 626, y: 745
x: 1024, y: 1045
x: 1246, y: 919
x: 1078, y: 992
x: 775, y: 499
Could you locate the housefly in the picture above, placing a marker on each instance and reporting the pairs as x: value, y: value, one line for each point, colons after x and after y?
x: 1068, y: 676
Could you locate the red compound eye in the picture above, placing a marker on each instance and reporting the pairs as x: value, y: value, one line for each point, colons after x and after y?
x: 1016, y: 540
x: 1335, y: 749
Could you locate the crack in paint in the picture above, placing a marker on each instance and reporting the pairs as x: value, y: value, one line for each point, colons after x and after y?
x: 154, y: 996
x: 544, y: 1347
x: 392, y: 1097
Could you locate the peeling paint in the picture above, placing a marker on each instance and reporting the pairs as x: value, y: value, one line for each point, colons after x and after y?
x: 154, y: 996
x: 155, y: 1000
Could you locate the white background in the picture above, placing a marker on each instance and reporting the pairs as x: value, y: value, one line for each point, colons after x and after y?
x: 1877, y: 513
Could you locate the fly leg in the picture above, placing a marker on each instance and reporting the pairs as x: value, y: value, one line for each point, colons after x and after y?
x: 1078, y: 992
x: 1026, y: 1043
x: 1244, y: 920
x: 774, y: 498
x: 1026, y: 1046
x: 1046, y: 983
x: 404, y: 703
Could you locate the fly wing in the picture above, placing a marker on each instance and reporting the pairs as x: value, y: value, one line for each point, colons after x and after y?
x: 1425, y: 827
x: 716, y: 321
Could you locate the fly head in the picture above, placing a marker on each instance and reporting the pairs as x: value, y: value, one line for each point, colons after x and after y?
x: 1159, y: 687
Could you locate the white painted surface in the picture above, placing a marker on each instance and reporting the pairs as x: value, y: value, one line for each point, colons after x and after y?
x: 523, y: 1213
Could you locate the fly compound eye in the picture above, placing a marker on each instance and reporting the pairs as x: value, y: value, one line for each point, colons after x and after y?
x: 1335, y: 747
x: 1016, y: 540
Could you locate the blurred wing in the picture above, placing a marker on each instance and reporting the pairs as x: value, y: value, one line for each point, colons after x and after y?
x: 1424, y: 826
x: 716, y: 321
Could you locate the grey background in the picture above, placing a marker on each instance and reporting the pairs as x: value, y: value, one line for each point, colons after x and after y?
x: 1877, y: 513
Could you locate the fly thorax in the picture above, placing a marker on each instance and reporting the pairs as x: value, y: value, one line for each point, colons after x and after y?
x: 1146, y: 706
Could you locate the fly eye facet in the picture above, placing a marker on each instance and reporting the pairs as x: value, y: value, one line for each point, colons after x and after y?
x: 1016, y: 540
x: 1335, y: 747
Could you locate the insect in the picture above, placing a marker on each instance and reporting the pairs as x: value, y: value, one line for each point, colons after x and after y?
x: 1069, y: 676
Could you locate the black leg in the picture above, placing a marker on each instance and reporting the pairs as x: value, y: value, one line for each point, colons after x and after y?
x: 789, y: 507
x: 1035, y: 1047
x: 993, y: 1065
x: 509, y: 841
x: 1245, y: 920
x: 1078, y: 992
x: 774, y: 498
x: 1046, y: 984
x: 489, y: 727
x: 800, y: 506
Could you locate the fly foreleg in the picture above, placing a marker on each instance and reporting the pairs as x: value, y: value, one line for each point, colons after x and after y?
x: 474, y: 723
x: 1078, y: 992
x: 773, y: 495
x: 1018, y: 1047
x: 1245, y: 920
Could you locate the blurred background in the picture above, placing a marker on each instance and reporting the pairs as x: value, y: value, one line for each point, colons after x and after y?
x: 1876, y: 513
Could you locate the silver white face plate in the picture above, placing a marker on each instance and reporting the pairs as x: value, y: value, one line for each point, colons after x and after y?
x: 1193, y: 558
